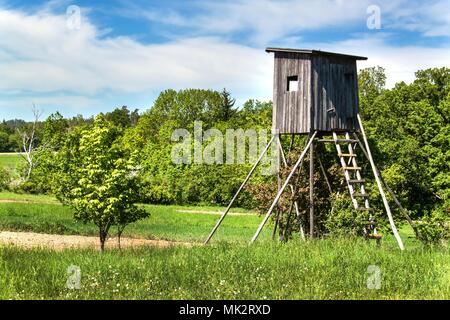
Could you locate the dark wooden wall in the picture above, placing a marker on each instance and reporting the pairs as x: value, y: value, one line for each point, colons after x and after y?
x: 327, y: 95
x: 292, y: 110
x: 334, y: 94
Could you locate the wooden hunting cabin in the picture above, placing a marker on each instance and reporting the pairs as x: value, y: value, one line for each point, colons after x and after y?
x: 314, y: 91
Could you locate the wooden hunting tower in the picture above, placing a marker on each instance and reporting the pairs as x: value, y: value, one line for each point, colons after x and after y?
x: 314, y: 91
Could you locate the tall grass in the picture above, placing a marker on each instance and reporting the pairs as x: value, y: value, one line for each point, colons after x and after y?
x: 313, y: 270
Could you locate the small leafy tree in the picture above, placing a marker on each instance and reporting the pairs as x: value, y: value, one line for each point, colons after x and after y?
x: 98, y: 178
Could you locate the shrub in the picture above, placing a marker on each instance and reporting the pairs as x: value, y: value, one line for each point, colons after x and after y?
x: 5, y: 179
x: 342, y: 220
x: 434, y: 228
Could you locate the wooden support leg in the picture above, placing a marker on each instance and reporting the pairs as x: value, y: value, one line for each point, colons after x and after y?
x: 277, y: 198
x: 380, y: 187
x: 278, y: 209
x: 286, y: 230
x: 277, y: 221
x: 297, y: 210
x: 311, y: 191
x: 239, y: 191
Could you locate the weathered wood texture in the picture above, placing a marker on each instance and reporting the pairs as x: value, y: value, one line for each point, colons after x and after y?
x: 292, y: 108
x: 326, y: 99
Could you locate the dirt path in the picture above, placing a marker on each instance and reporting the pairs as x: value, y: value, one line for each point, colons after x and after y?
x: 30, y: 240
x: 6, y: 201
x: 215, y: 212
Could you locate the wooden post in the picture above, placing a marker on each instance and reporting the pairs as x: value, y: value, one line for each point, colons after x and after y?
x: 288, y: 222
x: 277, y: 221
x: 278, y: 196
x: 380, y: 187
x: 280, y: 153
x: 297, y: 210
x: 311, y: 191
x: 239, y: 191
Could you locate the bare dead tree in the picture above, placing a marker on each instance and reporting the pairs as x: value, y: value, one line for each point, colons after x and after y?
x: 28, y: 141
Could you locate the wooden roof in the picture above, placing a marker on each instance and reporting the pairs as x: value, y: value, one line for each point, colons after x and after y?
x: 315, y: 52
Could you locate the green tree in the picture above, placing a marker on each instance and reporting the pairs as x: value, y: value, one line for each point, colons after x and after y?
x: 225, y: 110
x: 4, y: 142
x: 123, y: 117
x: 55, y: 127
x: 98, y: 179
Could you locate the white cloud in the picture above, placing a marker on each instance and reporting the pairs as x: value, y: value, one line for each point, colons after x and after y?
x: 430, y: 18
x: 38, y: 54
x: 400, y: 63
x: 41, y: 54
x: 264, y: 21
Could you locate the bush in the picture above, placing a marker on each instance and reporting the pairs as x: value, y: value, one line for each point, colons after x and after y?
x: 5, y: 179
x: 30, y: 187
x: 345, y: 221
x: 434, y: 228
x: 342, y: 220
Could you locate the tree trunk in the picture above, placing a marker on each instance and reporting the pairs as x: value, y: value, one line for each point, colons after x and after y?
x: 103, y: 235
x: 119, y: 237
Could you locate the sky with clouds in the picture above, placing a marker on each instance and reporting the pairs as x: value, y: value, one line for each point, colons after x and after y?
x: 84, y: 57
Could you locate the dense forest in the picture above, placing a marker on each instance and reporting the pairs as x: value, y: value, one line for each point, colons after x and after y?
x: 408, y: 127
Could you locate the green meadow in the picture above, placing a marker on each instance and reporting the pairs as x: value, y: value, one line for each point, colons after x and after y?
x: 229, y: 268
x: 10, y: 161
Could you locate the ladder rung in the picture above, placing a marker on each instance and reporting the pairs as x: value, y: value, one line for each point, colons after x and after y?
x: 352, y: 168
x: 346, y: 155
x: 375, y: 236
x: 356, y: 181
x: 364, y: 195
x: 345, y: 141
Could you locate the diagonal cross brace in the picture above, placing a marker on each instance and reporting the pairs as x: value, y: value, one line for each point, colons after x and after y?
x: 297, y: 211
x: 239, y: 191
x: 280, y: 192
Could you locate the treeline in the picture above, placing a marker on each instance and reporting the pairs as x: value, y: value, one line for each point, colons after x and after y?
x: 408, y: 127
x: 11, y: 131
x: 150, y: 135
x: 9, y: 137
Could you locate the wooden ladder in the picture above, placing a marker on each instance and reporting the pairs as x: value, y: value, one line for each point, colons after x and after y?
x: 355, y: 182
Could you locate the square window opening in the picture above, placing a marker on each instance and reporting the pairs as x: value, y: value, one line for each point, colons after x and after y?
x: 292, y: 83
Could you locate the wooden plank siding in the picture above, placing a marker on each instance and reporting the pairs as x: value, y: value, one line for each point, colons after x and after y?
x: 292, y: 109
x: 326, y: 99
x: 336, y: 96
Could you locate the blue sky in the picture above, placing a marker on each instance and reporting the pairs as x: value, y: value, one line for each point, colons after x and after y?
x: 127, y: 52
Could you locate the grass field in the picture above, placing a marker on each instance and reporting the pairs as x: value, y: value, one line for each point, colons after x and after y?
x: 9, y: 161
x: 44, y: 214
x: 315, y: 270
x: 228, y: 269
